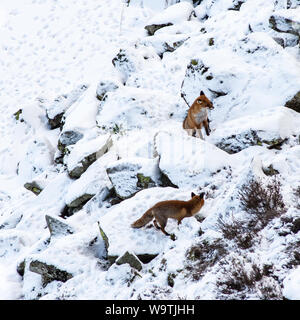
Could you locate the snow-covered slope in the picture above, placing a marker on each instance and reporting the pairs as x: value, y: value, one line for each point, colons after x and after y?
x: 91, y: 137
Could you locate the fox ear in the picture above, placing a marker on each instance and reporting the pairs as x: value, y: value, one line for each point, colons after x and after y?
x: 201, y: 93
x: 201, y: 195
x: 192, y: 194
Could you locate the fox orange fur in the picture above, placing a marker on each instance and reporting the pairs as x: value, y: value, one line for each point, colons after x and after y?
x: 175, y: 209
x: 197, y: 116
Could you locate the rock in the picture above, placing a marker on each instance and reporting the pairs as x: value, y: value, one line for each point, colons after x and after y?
x: 270, y: 171
x: 184, y: 159
x: 48, y: 272
x: 294, y: 103
x: 104, y: 87
x: 152, y: 28
x: 176, y: 13
x: 17, y: 115
x: 21, y: 268
x: 36, y: 160
x: 34, y: 187
x: 198, y: 75
x: 236, y: 5
x: 125, y: 63
x: 131, y: 175
x: 131, y: 259
x: 93, y: 183
x: 85, y: 153
x: 68, y: 138
x: 237, y: 142
x: 286, y: 20
x: 58, y: 227
x: 104, y: 237
x: 80, y: 201
x: 55, y: 109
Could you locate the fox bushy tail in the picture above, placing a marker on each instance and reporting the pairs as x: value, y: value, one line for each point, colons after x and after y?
x: 143, y: 220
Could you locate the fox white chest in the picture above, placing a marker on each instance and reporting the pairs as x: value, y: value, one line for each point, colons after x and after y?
x: 200, y: 116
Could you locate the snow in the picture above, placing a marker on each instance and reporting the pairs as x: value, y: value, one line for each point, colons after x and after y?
x: 173, y: 14
x: 55, y: 54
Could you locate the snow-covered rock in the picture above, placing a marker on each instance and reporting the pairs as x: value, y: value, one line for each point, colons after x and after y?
x: 286, y: 21
x: 128, y: 176
x: 187, y: 160
x: 55, y: 109
x: 84, y: 153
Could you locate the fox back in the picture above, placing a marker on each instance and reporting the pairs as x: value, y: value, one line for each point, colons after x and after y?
x: 175, y: 209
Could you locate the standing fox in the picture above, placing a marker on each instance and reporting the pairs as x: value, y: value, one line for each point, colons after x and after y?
x: 175, y: 209
x: 197, y: 116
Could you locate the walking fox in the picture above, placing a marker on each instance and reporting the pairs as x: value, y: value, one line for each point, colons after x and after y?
x: 175, y: 209
x: 197, y: 116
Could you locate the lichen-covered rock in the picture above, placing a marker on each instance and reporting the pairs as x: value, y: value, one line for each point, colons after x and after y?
x: 80, y: 201
x: 294, y: 103
x: 34, y: 187
x: 85, y: 153
x: 49, y: 272
x: 131, y: 175
x: 131, y: 259
x: 58, y: 227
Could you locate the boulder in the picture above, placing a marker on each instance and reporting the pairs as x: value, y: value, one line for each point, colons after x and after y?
x: 294, y: 103
x: 272, y: 129
x: 176, y: 13
x: 186, y: 160
x: 49, y: 272
x: 131, y: 175
x: 131, y: 259
x: 152, y: 28
x: 34, y: 187
x: 286, y: 20
x: 68, y: 138
x: 55, y: 109
x: 84, y: 153
x: 104, y: 87
x: 58, y: 227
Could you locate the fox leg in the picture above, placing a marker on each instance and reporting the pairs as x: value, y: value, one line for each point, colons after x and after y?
x: 206, y: 126
x: 199, y: 134
x: 156, y: 225
x: 162, y: 223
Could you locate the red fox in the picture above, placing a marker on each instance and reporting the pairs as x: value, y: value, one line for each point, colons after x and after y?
x: 175, y: 209
x: 197, y: 116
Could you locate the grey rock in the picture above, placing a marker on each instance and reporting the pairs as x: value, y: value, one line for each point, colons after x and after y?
x: 56, y: 109
x: 124, y: 63
x: 282, y: 24
x: 294, y: 103
x: 104, y: 238
x: 82, y: 166
x: 104, y: 87
x: 68, y: 138
x: 34, y: 187
x: 131, y: 259
x: 129, y: 177
x: 49, y: 272
x: 152, y: 28
x: 58, y: 227
x: 80, y: 201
